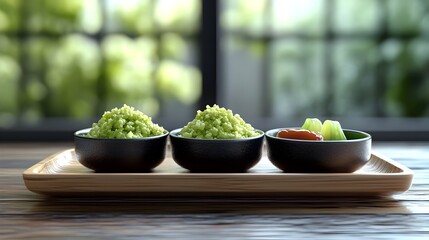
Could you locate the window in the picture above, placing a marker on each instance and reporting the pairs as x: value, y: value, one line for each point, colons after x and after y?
x: 276, y: 62
x: 65, y: 62
x: 363, y: 62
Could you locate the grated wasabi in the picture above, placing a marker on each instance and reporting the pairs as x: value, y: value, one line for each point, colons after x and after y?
x: 124, y: 123
x: 218, y: 123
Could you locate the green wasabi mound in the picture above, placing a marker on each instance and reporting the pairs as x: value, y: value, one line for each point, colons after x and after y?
x: 124, y: 123
x: 218, y: 123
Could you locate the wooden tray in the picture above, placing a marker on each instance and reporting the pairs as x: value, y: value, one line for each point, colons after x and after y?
x: 62, y: 175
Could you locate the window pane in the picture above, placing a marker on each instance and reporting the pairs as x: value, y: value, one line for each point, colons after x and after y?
x: 177, y: 15
x: 10, y: 72
x: 62, y: 16
x: 356, y: 16
x: 133, y: 16
x: 35, y: 85
x: 129, y: 68
x: 62, y: 77
x: 304, y: 17
x: 242, y: 75
x: 355, y: 75
x: 298, y: 86
x: 9, y: 15
x: 242, y: 16
x: 79, y: 58
x: 407, y: 77
x: 405, y: 16
x: 369, y: 65
x: 148, y: 16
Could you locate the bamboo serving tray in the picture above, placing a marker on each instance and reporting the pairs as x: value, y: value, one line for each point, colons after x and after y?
x: 62, y: 175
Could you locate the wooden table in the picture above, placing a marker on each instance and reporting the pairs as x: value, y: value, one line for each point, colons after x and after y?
x: 24, y: 214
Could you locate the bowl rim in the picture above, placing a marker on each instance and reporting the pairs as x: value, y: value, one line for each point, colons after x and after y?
x: 175, y: 134
x: 78, y: 133
x: 269, y: 134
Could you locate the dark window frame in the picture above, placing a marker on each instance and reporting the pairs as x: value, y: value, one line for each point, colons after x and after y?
x: 61, y: 129
x: 209, y: 56
x: 380, y: 127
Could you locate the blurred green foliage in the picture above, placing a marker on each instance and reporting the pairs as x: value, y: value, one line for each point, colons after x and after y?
x: 305, y: 16
x: 9, y: 15
x: 71, y: 77
x: 9, y: 77
x: 61, y: 77
x: 240, y: 15
x: 177, y: 15
x: 175, y: 80
x: 62, y: 16
x: 135, y: 16
x: 297, y: 73
x: 149, y: 16
x: 129, y: 69
x: 68, y: 58
x: 406, y: 16
x: 354, y: 68
x: 408, y: 77
x: 356, y: 16
x: 68, y: 64
x: 365, y: 71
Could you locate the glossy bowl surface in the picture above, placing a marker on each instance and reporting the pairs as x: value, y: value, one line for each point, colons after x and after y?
x: 309, y: 156
x: 120, y: 155
x: 216, y: 155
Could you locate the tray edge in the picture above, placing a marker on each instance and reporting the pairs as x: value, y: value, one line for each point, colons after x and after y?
x: 29, y: 176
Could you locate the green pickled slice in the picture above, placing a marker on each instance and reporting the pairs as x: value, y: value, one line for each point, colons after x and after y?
x: 312, y: 124
x: 331, y: 130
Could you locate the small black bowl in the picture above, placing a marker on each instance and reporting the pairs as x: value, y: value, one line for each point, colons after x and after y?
x: 310, y: 156
x: 216, y: 155
x: 120, y: 155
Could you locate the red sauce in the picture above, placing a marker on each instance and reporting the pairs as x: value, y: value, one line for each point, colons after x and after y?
x: 300, y: 134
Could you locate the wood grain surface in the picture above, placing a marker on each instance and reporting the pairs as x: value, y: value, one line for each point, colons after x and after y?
x: 26, y: 215
x: 61, y: 174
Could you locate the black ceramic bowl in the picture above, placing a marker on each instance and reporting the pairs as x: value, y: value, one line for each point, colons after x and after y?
x: 216, y: 155
x: 120, y: 155
x: 309, y: 156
